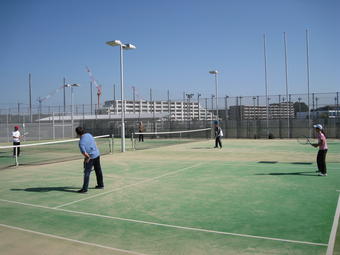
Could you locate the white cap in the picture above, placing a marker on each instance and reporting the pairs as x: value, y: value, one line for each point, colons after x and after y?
x: 319, y: 126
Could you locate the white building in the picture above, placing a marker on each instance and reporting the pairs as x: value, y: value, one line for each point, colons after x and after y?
x: 176, y: 109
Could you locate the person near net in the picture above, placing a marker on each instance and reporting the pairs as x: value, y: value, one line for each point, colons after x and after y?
x: 218, y: 135
x: 16, y: 141
x: 90, y: 151
x: 323, y: 148
x: 141, y: 130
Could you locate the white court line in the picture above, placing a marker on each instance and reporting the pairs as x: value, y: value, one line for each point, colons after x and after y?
x: 71, y: 240
x: 167, y: 225
x: 332, y: 236
x: 130, y: 185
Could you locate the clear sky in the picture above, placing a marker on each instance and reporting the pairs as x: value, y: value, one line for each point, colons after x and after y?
x: 177, y: 42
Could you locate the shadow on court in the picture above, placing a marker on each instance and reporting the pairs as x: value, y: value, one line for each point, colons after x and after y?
x: 47, y: 189
x: 294, y: 163
x: 312, y: 173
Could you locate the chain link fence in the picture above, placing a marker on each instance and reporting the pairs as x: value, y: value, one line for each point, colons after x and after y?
x: 278, y: 116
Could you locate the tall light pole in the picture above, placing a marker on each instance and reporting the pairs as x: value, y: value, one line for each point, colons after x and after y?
x: 71, y: 86
x: 198, y: 105
x: 125, y: 47
x: 30, y: 95
x: 189, y: 96
x: 308, y: 70
x: 266, y: 82
x: 215, y: 72
x: 286, y: 74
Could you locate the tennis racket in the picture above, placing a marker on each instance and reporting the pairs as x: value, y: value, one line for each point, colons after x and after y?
x: 304, y: 140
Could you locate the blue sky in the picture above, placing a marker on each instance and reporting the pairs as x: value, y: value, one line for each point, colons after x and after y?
x: 177, y: 42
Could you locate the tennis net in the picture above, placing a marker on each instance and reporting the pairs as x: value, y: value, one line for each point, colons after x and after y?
x: 49, y: 152
x: 148, y: 140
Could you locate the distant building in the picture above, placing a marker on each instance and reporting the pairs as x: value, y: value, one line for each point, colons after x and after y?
x: 177, y: 110
x: 275, y: 111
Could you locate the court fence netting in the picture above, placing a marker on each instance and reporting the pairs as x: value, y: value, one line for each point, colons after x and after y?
x: 49, y: 152
x: 148, y: 140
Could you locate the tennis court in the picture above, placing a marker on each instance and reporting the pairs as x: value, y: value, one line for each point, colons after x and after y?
x: 251, y: 197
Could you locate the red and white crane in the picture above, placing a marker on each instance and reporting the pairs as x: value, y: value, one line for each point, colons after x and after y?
x: 99, y: 87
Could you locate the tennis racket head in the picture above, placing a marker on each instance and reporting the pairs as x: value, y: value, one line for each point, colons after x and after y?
x: 304, y: 140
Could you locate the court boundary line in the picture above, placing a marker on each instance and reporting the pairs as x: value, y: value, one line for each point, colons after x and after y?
x: 167, y: 225
x: 129, y: 185
x: 70, y: 240
x: 332, y: 236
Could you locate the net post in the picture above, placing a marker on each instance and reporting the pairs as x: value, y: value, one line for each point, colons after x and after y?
x: 111, y: 144
x: 16, y: 155
x: 133, y: 141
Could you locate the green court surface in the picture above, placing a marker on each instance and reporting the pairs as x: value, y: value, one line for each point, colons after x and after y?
x: 251, y: 197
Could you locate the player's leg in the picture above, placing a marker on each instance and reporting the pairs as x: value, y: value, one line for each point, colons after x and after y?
x: 320, y: 162
x: 220, y: 142
x: 323, y: 162
x: 87, y: 172
x: 18, y: 149
x: 216, y: 142
x: 99, y: 173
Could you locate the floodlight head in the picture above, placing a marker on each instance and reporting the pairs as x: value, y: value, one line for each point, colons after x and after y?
x: 129, y: 46
x: 213, y: 72
x: 71, y: 85
x: 114, y: 43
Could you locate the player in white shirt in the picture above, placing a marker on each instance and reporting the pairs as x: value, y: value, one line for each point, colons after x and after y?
x: 16, y: 141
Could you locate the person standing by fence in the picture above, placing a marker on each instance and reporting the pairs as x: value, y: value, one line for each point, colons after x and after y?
x: 323, y: 148
x: 218, y: 135
x: 141, y: 130
x: 88, y: 148
x: 16, y: 141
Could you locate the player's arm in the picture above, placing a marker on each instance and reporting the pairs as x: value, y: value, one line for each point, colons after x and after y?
x: 320, y: 142
x: 84, y: 153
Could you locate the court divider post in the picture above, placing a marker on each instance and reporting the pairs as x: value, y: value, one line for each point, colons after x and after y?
x: 111, y: 143
x: 133, y: 141
x: 16, y: 155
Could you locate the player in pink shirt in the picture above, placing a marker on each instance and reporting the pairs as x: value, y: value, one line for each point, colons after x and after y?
x: 322, y: 144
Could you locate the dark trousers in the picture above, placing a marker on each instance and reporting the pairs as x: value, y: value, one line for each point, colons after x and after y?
x: 16, y: 150
x: 218, y: 142
x: 321, y: 161
x: 87, y: 171
x: 141, y: 138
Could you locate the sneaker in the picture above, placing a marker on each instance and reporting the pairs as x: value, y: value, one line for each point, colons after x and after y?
x: 99, y: 187
x: 321, y: 174
x: 82, y: 191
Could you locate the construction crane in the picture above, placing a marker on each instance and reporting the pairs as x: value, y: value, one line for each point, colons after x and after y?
x: 99, y: 87
x: 42, y: 99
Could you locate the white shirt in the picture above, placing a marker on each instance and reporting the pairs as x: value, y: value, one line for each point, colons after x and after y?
x: 16, y: 134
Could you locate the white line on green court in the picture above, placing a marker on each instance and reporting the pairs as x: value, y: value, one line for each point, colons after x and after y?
x: 166, y: 225
x: 130, y: 185
x: 332, y: 236
x: 71, y: 240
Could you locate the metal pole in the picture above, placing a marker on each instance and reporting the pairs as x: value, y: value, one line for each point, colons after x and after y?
x: 286, y: 72
x: 198, y: 106
x: 91, y: 91
x: 72, y: 110
x: 7, y: 115
x: 337, y: 104
x: 122, y: 99
x: 64, y: 82
x: 307, y: 66
x: 216, y: 84
x: 134, y: 97
x: 30, y: 95
x: 266, y: 82
x: 53, y: 126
